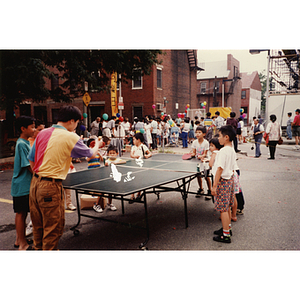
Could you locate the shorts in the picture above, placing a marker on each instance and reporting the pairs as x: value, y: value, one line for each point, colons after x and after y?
x: 296, y: 130
x: 191, y: 134
x: 21, y: 204
x: 225, y: 195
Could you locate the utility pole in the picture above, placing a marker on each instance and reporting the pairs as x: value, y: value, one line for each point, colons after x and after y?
x: 215, y: 93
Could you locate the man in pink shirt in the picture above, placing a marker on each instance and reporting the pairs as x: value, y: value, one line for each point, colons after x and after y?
x: 296, y: 128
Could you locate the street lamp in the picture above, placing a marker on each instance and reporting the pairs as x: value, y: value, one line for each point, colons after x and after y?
x: 257, y: 51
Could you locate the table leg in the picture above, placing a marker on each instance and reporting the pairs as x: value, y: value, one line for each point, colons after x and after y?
x: 142, y: 245
x: 122, y: 201
x: 184, y: 196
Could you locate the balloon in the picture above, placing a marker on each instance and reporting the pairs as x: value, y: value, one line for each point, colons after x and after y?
x: 170, y: 122
x: 162, y: 113
x: 178, y: 115
x: 118, y: 115
x: 204, y: 106
x: 204, y: 103
x: 142, y: 131
x: 241, y: 110
x: 188, y: 108
x: 188, y: 105
x: 105, y: 117
x: 121, y: 119
x: 82, y: 127
x: 153, y: 106
x: 182, y: 115
x: 84, y: 115
x: 185, y: 111
x: 244, y: 115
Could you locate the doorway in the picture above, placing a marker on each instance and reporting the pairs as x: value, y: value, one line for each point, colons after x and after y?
x: 94, y: 112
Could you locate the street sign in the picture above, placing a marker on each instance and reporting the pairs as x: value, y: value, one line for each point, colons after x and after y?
x: 121, y: 105
x: 86, y: 99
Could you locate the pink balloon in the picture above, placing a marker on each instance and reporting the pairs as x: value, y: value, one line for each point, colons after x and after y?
x: 153, y: 106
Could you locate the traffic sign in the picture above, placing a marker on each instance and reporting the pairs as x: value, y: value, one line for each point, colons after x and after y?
x: 86, y: 99
x: 121, y: 105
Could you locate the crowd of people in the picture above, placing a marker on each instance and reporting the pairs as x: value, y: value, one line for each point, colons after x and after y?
x: 43, y: 158
x: 166, y: 130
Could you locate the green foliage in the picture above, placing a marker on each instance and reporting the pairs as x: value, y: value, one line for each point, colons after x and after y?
x: 23, y: 72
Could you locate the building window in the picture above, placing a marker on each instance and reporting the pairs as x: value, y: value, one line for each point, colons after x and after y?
x: 159, y: 78
x: 236, y: 72
x: 243, y: 95
x: 203, y: 88
x: 217, y: 86
x: 137, y: 82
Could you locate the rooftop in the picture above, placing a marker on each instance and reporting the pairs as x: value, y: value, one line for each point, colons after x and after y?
x: 247, y: 79
x: 213, y: 69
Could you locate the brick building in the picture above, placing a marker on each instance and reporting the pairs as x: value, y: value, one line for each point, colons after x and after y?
x: 170, y: 86
x: 220, y: 84
x: 251, y: 95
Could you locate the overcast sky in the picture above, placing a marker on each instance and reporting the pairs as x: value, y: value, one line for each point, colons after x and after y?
x: 248, y: 62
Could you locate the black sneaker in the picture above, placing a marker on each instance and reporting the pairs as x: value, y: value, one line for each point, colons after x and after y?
x: 220, y: 232
x: 199, y: 193
x: 222, y: 239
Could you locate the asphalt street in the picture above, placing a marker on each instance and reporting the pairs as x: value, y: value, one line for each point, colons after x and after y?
x: 270, y: 220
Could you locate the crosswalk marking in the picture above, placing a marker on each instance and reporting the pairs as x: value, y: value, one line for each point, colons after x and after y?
x: 11, y: 202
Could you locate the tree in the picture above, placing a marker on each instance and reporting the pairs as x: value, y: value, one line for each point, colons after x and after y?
x: 23, y: 72
x: 263, y: 81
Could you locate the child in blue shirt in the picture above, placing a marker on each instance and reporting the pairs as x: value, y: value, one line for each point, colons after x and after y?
x: 21, y: 180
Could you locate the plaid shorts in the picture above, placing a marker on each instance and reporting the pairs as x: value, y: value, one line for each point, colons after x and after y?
x: 225, y: 194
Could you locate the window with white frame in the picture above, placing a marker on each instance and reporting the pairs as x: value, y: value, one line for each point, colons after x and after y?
x: 243, y: 95
x: 203, y: 88
x: 159, y: 78
x: 137, y: 81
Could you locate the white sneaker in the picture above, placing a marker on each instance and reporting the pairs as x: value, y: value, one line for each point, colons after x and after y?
x: 111, y: 207
x: 71, y: 207
x: 97, y: 208
x: 297, y: 147
x: 29, y: 229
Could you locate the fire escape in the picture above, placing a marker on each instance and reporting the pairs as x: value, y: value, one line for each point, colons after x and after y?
x: 193, y: 60
x: 234, y: 80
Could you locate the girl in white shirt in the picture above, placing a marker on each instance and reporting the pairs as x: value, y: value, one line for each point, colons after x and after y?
x: 139, y: 150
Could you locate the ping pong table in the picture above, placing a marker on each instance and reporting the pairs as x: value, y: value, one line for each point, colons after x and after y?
x: 156, y: 175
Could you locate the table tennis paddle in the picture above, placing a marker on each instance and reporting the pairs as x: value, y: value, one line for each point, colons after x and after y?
x: 187, y: 156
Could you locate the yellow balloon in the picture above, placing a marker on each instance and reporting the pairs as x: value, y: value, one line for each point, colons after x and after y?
x: 204, y: 103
